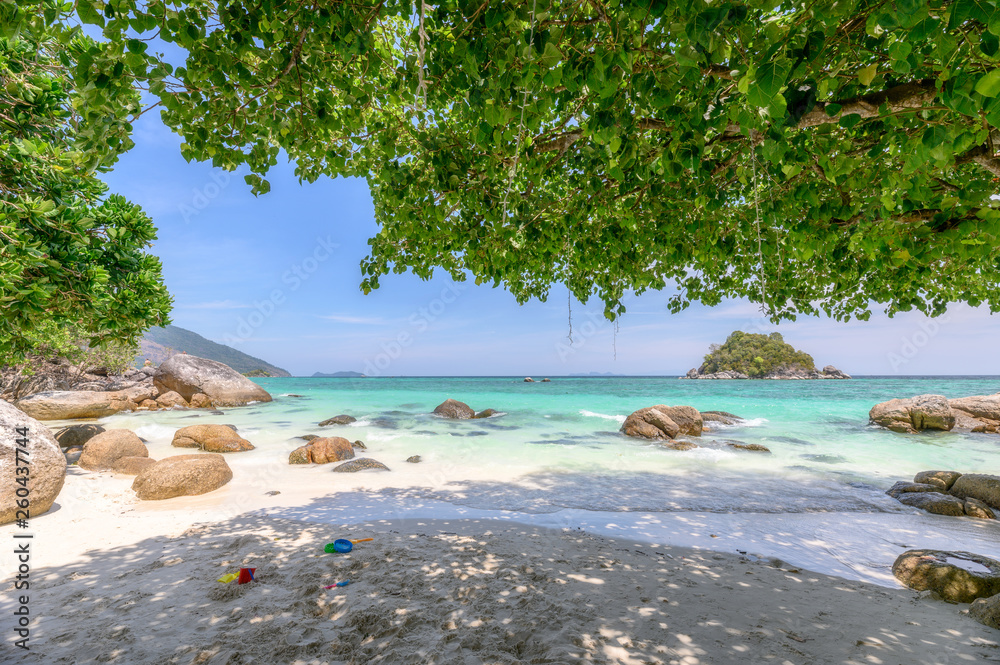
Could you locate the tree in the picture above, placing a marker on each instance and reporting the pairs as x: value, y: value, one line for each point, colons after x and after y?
x: 811, y: 157
x: 71, y: 257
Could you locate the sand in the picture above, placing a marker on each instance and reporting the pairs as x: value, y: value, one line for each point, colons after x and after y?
x: 469, y: 592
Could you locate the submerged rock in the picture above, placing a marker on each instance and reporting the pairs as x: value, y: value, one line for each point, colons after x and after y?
x: 914, y: 414
x: 753, y: 447
x: 414, y: 459
x: 360, y: 464
x: 183, y: 475
x: 360, y: 445
x: 959, y: 577
x: 342, y: 419
x: 721, y: 417
x: 677, y: 445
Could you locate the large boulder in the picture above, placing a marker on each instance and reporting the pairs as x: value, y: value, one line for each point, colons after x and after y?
x: 71, y: 404
x: 980, y: 407
x: 45, y: 460
x: 980, y: 486
x: 224, y: 386
x: 959, y: 577
x: 452, y: 408
x: 323, y: 451
x: 831, y: 372
x: 211, y: 439
x: 77, y: 435
x: 943, y: 480
x: 663, y: 422
x: 183, y: 475
x: 934, y: 502
x: 914, y: 414
x: 104, y: 450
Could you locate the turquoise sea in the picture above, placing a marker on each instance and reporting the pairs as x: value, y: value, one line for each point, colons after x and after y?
x: 555, y: 457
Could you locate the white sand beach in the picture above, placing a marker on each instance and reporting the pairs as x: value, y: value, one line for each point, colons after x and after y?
x: 121, y: 581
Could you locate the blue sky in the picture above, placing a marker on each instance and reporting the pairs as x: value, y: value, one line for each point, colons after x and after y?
x: 277, y: 277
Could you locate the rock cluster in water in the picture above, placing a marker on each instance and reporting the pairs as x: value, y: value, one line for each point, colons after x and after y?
x: 664, y: 425
x: 979, y: 413
x: 182, y: 381
x: 782, y: 373
x: 950, y: 493
x: 452, y: 408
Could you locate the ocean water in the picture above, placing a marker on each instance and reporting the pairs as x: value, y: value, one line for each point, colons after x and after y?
x: 555, y: 457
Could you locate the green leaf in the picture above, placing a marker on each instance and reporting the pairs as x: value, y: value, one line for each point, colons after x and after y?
x: 867, y: 74
x: 988, y: 85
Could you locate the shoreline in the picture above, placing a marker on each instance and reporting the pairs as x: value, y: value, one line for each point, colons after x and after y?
x: 470, y: 590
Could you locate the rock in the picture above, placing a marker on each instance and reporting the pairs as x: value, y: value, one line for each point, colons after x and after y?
x: 978, y: 486
x: 360, y: 445
x: 414, y: 459
x: 753, y: 447
x: 725, y: 374
x: 149, y: 404
x: 831, y: 372
x: 73, y: 404
x: 201, y: 401
x: 299, y: 456
x: 914, y: 414
x: 183, y: 475
x: 663, y: 422
x: 360, y: 464
x: 986, y: 611
x: 307, y: 437
x: 677, y: 445
x: 77, y: 435
x: 692, y: 373
x: 721, y: 417
x: 339, y: 420
x: 451, y: 408
x: 103, y: 450
x: 46, y: 462
x: 211, y: 438
x: 223, y: 385
x: 976, y: 508
x: 132, y: 466
x: 171, y: 399
x: 981, y: 407
x: 903, y: 487
x: 323, y: 451
x: 528, y: 379
x: 943, y: 480
x: 486, y: 413
x: 546, y: 380
x: 966, y: 423
x: 960, y: 577
x: 933, y: 502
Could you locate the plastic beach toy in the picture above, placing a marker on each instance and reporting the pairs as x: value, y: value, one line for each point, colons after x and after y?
x: 343, y: 545
x: 226, y: 579
x: 344, y: 583
x: 246, y: 575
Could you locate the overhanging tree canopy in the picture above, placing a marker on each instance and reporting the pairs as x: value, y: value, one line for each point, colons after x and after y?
x: 810, y: 156
x: 71, y: 258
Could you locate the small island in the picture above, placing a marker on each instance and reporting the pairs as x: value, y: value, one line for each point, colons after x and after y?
x: 757, y: 356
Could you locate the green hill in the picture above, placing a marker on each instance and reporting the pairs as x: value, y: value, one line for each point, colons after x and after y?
x: 755, y: 355
x: 158, y: 344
